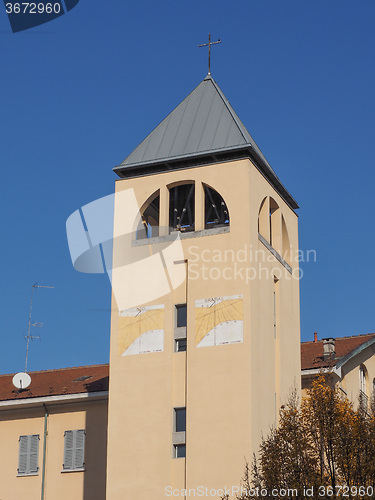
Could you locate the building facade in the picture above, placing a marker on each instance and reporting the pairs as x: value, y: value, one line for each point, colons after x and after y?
x: 351, y: 361
x: 53, y: 435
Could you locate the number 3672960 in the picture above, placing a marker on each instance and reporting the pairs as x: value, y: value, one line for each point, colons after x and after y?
x: 32, y: 8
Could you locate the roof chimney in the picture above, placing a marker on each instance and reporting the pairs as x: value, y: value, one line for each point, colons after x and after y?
x: 315, y: 337
x: 328, y: 348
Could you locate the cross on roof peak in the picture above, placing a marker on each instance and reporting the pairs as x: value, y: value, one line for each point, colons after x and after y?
x: 209, y: 50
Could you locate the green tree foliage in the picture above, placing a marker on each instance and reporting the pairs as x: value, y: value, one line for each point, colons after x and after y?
x: 321, y: 448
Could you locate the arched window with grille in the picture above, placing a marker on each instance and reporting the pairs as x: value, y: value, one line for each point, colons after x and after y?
x: 216, y: 213
x: 148, y: 226
x: 182, y: 207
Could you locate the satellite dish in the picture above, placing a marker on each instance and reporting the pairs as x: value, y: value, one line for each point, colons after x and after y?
x: 21, y: 380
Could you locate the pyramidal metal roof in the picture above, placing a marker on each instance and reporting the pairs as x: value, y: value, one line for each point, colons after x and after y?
x: 203, y: 129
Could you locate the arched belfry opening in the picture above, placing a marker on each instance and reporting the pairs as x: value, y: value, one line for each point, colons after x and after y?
x: 285, y: 240
x: 182, y: 207
x: 268, y: 226
x: 148, y: 226
x: 216, y: 213
x: 274, y: 230
x: 263, y: 226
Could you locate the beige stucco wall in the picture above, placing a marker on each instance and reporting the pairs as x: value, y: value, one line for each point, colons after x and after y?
x: 231, y: 392
x: 86, y: 485
x: 350, y: 373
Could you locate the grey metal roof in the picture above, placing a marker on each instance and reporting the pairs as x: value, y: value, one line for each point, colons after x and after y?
x: 203, y: 129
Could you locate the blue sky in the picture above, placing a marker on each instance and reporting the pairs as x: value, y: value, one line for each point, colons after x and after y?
x: 79, y: 93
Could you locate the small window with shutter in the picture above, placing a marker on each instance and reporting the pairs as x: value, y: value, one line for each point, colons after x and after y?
x: 28, y: 455
x: 74, y: 450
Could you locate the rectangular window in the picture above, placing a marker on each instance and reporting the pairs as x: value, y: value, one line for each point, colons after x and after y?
x: 179, y: 450
x: 74, y: 450
x: 181, y: 315
x: 179, y: 432
x: 28, y: 455
x: 180, y: 345
x: 180, y: 419
x: 180, y: 328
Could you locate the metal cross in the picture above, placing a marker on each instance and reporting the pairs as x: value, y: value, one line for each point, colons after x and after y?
x: 209, y: 50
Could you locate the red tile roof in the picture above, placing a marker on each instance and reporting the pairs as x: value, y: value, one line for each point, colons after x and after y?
x: 95, y: 378
x: 57, y: 382
x: 312, y: 352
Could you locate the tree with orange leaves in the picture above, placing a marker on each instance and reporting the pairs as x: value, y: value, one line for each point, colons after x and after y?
x: 323, y: 448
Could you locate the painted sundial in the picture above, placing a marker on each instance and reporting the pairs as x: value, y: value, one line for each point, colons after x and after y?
x: 219, y: 320
x: 141, y: 330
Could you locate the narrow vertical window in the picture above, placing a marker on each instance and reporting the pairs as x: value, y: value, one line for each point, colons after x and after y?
x: 363, y: 398
x: 74, y: 450
x: 181, y: 315
x: 179, y: 450
x: 179, y: 432
x: 28, y: 455
x: 180, y: 419
x: 180, y: 341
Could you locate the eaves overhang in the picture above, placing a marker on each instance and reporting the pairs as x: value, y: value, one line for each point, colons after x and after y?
x: 183, y: 162
x: 314, y: 372
x: 354, y: 352
x: 26, y: 403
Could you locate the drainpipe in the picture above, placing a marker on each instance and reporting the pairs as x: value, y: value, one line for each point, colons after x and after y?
x: 44, y: 451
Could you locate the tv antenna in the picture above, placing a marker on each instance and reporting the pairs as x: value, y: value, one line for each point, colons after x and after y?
x: 29, y: 336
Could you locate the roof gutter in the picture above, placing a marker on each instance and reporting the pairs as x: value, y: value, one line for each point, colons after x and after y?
x: 336, y: 370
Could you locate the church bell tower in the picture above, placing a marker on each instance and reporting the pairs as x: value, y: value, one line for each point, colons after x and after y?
x: 205, y: 336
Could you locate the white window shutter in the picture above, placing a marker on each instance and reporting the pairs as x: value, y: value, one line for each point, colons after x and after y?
x: 79, y: 456
x: 22, y: 457
x: 74, y: 449
x: 68, y: 449
x: 33, y: 453
x: 28, y: 454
